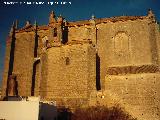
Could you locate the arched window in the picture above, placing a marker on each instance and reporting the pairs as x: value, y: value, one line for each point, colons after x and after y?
x: 67, y: 61
x: 121, y: 42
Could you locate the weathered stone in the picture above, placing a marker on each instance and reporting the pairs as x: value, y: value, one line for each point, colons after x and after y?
x: 12, y: 86
x: 99, y: 61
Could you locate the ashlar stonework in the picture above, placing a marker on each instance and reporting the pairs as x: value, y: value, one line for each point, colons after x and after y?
x: 106, y: 61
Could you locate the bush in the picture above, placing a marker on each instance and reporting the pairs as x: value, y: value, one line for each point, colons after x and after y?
x: 97, y: 113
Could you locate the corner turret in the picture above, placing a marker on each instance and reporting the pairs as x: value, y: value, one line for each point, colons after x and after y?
x: 16, y: 24
x: 12, y: 29
x: 151, y: 15
x: 60, y: 19
x: 93, y: 17
x: 27, y: 23
x: 52, y: 18
x: 94, y: 30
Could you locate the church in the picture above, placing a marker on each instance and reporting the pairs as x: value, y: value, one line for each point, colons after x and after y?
x: 101, y: 60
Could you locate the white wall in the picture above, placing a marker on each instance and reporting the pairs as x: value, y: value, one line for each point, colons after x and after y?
x: 19, y: 110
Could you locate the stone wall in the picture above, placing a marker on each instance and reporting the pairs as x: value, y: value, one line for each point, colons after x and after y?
x: 71, y: 73
x: 124, y: 43
x: 78, y: 33
x: 44, y: 75
x: 6, y: 66
x: 23, y: 62
x: 137, y: 93
x: 0, y: 93
x: 85, y: 33
x: 131, y: 66
x: 157, y: 42
x: 117, y: 56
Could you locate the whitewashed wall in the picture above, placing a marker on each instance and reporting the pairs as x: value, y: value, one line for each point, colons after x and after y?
x: 19, y: 110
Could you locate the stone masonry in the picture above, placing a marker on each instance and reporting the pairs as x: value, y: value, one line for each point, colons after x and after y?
x: 108, y: 61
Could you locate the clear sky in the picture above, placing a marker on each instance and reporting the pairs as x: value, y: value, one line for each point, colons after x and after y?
x: 73, y: 10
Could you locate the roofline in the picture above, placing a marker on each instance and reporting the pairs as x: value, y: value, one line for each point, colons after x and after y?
x: 85, y: 22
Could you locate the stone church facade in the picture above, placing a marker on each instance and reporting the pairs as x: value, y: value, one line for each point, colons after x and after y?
x: 106, y: 61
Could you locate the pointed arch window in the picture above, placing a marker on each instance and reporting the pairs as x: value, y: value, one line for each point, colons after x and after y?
x: 121, y: 42
x: 67, y: 61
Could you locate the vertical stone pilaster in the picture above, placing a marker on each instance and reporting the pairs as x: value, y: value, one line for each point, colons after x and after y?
x: 6, y: 67
x: 93, y: 31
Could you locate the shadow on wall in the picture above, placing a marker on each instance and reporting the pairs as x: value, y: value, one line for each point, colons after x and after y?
x: 34, y: 76
x: 11, y: 60
x: 64, y: 114
x: 159, y: 25
x: 65, y: 35
x: 90, y: 113
x: 36, y: 43
x: 47, y: 112
x: 101, y: 113
x: 51, y: 112
x: 98, y: 84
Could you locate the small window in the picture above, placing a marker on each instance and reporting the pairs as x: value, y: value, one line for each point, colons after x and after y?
x: 55, y: 32
x: 67, y: 61
x: 46, y: 44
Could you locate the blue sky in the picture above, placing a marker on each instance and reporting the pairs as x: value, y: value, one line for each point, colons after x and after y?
x: 77, y: 10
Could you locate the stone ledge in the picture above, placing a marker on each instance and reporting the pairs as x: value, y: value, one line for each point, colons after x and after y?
x: 132, y: 69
